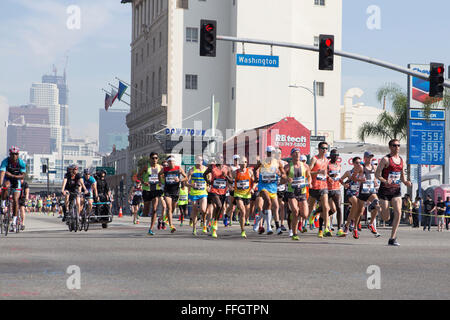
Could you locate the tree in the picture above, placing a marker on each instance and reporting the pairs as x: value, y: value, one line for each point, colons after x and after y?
x: 393, y: 125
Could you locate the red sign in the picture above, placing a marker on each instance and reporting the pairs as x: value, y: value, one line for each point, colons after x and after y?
x: 287, y: 134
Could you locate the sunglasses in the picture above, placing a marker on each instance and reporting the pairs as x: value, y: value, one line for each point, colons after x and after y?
x: 154, y: 158
x: 395, y: 145
x: 324, y: 148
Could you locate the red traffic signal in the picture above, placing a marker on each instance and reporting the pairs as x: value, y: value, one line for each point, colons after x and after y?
x: 326, y: 52
x: 436, y: 80
x: 208, y: 38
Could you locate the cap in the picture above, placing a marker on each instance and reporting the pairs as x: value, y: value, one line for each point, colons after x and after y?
x: 368, y: 154
x: 334, y: 152
x: 236, y: 156
x: 303, y: 158
x: 171, y: 159
x: 270, y: 149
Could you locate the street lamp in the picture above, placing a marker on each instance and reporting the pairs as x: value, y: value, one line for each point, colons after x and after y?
x: 313, y: 92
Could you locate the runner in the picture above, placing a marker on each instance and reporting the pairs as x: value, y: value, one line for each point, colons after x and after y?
x: 198, y: 193
x: 268, y: 171
x: 352, y: 186
x: 390, y: 173
x: 298, y: 178
x: 135, y: 197
x: 220, y: 177
x: 151, y: 189
x: 12, y: 172
x: 243, y: 190
x: 183, y: 201
x: 319, y: 188
x: 171, y: 178
x: 367, y: 193
x: 334, y: 190
x: 228, y: 218
x: 281, y: 192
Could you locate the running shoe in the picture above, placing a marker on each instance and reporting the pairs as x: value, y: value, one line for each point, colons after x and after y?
x: 172, y: 229
x: 166, y: 219
x: 194, y: 232
x: 190, y: 223
x: 159, y: 223
x: 295, y: 238
x: 150, y: 232
x: 320, y: 234
x: 214, y: 234
x: 163, y: 225
x: 359, y: 227
x: 22, y: 227
x: 328, y: 233
x: 372, y: 229
x: 225, y: 221
x: 351, y: 226
x: 243, y: 235
x: 340, y: 233
x: 291, y: 233
x: 261, y: 230
x: 137, y: 221
x: 247, y: 223
x: 269, y: 231
x: 181, y: 224
x: 393, y: 242
x: 355, y: 233
x: 304, y: 230
x: 205, y: 229
x: 283, y: 228
x: 311, y: 219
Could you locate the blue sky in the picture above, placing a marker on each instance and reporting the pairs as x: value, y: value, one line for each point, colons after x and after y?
x: 34, y: 36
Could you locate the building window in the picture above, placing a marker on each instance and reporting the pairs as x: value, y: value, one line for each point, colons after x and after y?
x: 320, y: 89
x: 182, y: 4
x: 191, y: 82
x: 154, y: 45
x: 160, y: 39
x: 191, y: 34
x: 153, y: 84
x: 232, y: 93
x: 319, y: 2
x: 159, y: 82
x: 142, y: 54
x: 148, y: 49
x: 142, y: 92
x: 316, y: 41
x: 146, y: 89
x: 136, y: 58
x: 233, y: 47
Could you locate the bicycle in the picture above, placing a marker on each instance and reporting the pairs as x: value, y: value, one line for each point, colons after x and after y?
x: 5, y: 218
x: 73, y: 220
x: 85, y: 216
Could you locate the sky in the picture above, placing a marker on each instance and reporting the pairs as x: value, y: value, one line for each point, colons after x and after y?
x: 34, y: 35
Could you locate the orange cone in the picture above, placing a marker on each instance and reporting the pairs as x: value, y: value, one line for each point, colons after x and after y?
x: 120, y: 213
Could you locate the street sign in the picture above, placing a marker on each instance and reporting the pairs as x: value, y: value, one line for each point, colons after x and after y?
x: 313, y: 143
x: 253, y: 60
x: 110, y: 171
x: 187, y: 160
x: 427, y: 138
x: 51, y: 171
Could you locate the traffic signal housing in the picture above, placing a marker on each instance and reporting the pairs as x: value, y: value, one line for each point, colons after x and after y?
x: 208, y: 38
x: 44, y: 168
x: 326, y: 52
x: 436, y: 80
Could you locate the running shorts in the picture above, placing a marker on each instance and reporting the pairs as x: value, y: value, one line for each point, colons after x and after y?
x: 150, y: 195
x: 317, y: 194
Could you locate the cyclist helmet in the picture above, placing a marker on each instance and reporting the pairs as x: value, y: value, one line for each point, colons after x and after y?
x: 14, y: 149
x: 86, y: 171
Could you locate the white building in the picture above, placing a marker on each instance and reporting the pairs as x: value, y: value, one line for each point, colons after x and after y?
x: 170, y: 81
x: 46, y: 95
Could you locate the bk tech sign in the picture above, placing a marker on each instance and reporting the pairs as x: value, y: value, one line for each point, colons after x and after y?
x: 288, y: 133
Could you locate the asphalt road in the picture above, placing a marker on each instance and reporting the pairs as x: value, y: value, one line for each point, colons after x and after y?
x: 121, y: 262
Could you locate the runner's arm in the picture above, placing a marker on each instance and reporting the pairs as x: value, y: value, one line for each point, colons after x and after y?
x: 205, y: 174
x: 184, y: 175
x: 378, y: 174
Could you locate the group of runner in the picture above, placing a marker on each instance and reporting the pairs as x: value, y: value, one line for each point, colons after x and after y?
x: 272, y: 188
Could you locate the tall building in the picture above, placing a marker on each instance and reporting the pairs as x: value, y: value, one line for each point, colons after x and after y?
x: 170, y: 81
x: 29, y: 129
x: 63, y: 100
x: 112, y: 130
x: 46, y: 95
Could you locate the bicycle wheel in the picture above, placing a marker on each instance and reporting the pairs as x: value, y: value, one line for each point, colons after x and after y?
x: 18, y: 223
x: 6, y: 223
x: 86, y: 221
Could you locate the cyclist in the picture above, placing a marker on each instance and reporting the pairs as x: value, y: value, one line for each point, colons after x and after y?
x: 91, y: 186
x: 103, y: 191
x: 71, y: 185
x: 12, y: 172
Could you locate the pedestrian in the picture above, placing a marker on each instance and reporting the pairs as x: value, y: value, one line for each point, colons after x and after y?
x: 430, y: 206
x: 416, y: 208
x: 447, y: 212
x: 440, y: 206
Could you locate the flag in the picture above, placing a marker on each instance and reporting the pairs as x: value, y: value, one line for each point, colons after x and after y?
x: 107, y: 101
x: 114, y: 95
x: 122, y: 89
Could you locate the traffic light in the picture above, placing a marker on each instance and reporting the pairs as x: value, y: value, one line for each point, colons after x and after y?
x: 208, y: 38
x: 436, y: 80
x: 44, y: 168
x: 326, y: 52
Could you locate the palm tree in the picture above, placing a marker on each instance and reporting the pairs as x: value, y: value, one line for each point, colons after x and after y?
x: 393, y: 125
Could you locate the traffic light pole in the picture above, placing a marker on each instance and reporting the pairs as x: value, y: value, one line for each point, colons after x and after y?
x: 337, y: 53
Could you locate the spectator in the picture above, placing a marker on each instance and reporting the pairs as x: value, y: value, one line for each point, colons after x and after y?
x: 430, y: 206
x: 447, y: 212
x: 406, y: 210
x: 416, y: 208
x: 440, y: 213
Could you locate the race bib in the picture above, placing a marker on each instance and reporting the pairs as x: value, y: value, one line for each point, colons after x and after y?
x: 321, y: 177
x: 138, y: 193
x: 243, y: 184
x: 153, y: 178
x: 171, y: 179
x: 183, y: 197
x: 199, y: 185
x: 394, y: 177
x: 220, y: 184
x: 367, y: 187
x: 281, y: 187
x: 334, y: 175
x: 268, y: 177
x: 299, y: 182
x: 354, y: 187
